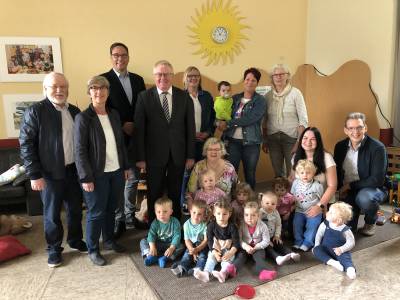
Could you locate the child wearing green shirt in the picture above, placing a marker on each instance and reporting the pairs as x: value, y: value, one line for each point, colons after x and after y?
x: 163, y: 240
x: 223, y: 103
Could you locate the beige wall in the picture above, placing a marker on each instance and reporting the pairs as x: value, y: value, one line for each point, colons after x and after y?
x: 343, y: 30
x: 87, y: 28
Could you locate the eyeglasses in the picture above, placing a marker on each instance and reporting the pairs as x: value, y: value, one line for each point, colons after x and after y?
x: 193, y: 76
x: 279, y: 74
x: 98, y: 88
x: 159, y: 75
x: 116, y: 56
x: 55, y: 87
x: 358, y: 128
x: 214, y: 149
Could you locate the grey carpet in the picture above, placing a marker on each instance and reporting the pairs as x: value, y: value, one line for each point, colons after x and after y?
x: 167, y: 286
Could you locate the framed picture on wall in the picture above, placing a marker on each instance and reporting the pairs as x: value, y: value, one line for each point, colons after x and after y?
x: 14, y: 108
x: 24, y: 59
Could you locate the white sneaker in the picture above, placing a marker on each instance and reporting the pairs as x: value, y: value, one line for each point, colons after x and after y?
x: 295, y: 256
x: 304, y: 248
x: 280, y: 260
x: 351, y: 273
x: 334, y: 263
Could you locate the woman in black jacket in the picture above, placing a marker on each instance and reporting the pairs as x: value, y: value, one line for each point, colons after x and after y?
x: 102, y: 165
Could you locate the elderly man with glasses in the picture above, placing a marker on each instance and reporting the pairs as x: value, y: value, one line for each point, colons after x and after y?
x: 361, y: 168
x: 165, y: 137
x: 46, y: 139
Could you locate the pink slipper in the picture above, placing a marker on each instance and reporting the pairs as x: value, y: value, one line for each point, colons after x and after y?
x: 231, y: 270
x: 266, y: 275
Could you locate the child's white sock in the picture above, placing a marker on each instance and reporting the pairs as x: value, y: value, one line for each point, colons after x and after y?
x: 295, y: 256
x: 351, y: 273
x: 280, y: 260
x: 334, y: 263
x: 202, y: 275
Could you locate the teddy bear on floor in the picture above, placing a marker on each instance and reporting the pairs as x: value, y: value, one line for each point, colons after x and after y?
x: 13, y: 224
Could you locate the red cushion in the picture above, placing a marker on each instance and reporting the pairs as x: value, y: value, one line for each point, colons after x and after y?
x: 10, y: 247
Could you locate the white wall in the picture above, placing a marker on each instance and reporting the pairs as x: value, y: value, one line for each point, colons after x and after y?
x: 342, y: 30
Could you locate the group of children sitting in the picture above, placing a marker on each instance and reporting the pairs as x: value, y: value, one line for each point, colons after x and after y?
x: 220, y: 231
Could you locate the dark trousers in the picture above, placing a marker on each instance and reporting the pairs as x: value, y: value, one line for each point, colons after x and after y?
x: 367, y: 199
x: 101, y: 204
x: 55, y: 193
x: 324, y: 253
x: 258, y: 257
x: 167, y: 177
x: 276, y: 250
x: 248, y: 154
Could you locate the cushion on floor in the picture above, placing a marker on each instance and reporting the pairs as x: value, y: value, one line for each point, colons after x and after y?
x: 10, y: 248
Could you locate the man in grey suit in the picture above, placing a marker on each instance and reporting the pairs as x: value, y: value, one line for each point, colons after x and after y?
x: 165, y: 137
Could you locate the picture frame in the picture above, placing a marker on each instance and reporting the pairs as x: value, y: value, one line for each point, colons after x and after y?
x: 28, y: 59
x: 14, y: 107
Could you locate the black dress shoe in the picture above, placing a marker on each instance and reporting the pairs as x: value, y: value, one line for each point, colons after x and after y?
x: 119, y: 229
x: 97, y: 259
x: 114, y: 246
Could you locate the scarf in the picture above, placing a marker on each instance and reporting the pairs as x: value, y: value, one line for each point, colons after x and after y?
x: 279, y: 101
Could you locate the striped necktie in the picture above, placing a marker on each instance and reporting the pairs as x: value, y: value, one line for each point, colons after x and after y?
x: 165, y: 106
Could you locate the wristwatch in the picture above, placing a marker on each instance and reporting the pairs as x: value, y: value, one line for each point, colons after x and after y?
x: 322, y: 206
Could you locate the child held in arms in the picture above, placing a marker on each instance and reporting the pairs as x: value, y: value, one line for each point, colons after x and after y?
x: 334, y: 239
x: 195, y: 236
x: 223, y: 102
x: 163, y: 242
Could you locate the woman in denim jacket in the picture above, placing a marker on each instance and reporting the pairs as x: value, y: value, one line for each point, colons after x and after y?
x: 243, y: 131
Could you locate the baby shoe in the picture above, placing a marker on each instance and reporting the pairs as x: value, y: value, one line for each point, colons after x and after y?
x: 178, y: 271
x: 201, y: 275
x: 221, y: 276
x: 162, y: 261
x: 231, y: 270
x: 150, y: 260
x: 280, y: 260
x: 351, y: 273
x: 266, y: 275
x: 295, y: 256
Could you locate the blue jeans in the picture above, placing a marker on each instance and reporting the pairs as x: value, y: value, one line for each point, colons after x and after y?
x: 101, y: 204
x: 367, y: 199
x: 161, y: 248
x: 187, y: 259
x: 212, y: 262
x: 125, y: 211
x: 54, y: 194
x: 305, y: 229
x: 248, y: 154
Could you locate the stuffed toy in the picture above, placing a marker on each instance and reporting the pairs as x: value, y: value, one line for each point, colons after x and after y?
x: 13, y: 224
x: 141, y: 215
x: 12, y: 173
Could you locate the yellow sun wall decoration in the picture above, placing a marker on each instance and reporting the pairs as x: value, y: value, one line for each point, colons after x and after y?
x: 218, y: 32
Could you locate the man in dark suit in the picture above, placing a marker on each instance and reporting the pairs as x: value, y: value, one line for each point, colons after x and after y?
x: 124, y: 89
x: 165, y: 137
x: 361, y: 168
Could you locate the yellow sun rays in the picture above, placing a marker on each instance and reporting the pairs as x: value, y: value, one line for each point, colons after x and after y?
x: 215, y: 14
